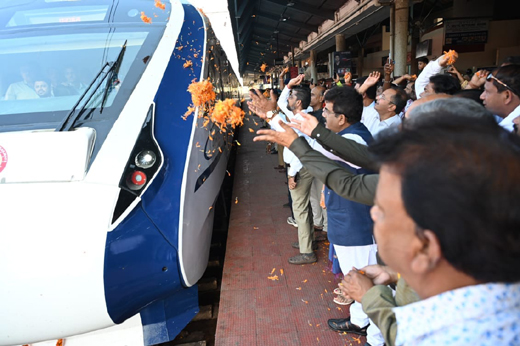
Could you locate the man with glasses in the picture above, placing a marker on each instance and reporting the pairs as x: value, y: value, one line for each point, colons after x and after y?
x: 388, y: 106
x: 501, y: 94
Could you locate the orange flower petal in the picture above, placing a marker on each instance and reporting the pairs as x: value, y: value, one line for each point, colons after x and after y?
x: 145, y: 19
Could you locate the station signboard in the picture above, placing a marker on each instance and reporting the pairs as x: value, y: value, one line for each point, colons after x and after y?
x: 464, y: 31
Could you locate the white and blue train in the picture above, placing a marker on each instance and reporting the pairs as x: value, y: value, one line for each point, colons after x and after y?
x: 106, y: 192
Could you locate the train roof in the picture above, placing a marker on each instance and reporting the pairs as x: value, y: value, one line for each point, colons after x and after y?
x: 27, y: 14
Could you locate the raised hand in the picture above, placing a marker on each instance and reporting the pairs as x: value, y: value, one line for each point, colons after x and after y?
x: 370, y: 81
x: 257, y: 110
x: 453, y: 70
x: 373, y: 78
x: 259, y: 104
x: 478, y: 79
x: 389, y: 68
x: 448, y: 59
x: 295, y: 81
x: 348, y: 78
x: 284, y: 138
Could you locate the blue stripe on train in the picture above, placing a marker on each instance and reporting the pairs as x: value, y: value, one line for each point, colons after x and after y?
x: 141, y: 261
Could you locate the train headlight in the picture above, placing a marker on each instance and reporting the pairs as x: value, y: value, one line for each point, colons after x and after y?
x: 145, y: 159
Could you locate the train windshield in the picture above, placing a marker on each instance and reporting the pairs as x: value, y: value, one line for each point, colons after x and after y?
x: 50, y: 73
x: 52, y: 52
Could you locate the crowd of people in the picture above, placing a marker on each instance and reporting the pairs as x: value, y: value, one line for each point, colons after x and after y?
x: 415, y: 181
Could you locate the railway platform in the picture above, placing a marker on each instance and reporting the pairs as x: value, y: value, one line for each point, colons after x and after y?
x: 265, y: 300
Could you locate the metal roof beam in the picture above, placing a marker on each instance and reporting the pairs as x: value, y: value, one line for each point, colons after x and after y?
x: 281, y: 42
x: 246, y: 36
x: 306, y: 9
x: 290, y: 22
x: 242, y: 8
x: 297, y: 36
x: 246, y: 19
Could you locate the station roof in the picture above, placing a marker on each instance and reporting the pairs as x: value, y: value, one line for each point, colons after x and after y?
x: 267, y: 29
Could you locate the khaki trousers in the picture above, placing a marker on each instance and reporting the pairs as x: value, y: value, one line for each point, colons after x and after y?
x: 280, y: 155
x: 300, y: 205
x: 319, y: 215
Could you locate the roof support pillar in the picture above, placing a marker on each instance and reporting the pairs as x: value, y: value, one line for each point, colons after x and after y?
x: 340, y: 43
x: 401, y: 36
x: 314, y: 74
x: 391, y: 54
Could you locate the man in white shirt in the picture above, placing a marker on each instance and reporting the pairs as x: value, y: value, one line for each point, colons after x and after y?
x: 292, y: 101
x: 369, y: 96
x: 501, y: 94
x: 24, y: 89
x: 423, y: 86
x: 388, y: 105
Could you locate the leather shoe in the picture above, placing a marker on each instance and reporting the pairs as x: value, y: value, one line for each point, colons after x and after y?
x: 296, y: 245
x: 343, y: 325
x: 303, y: 258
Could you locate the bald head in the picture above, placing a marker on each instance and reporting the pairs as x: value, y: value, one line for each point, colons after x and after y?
x: 424, y: 100
x: 317, y: 94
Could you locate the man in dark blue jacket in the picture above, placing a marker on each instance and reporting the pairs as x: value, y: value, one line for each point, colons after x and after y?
x: 349, y: 223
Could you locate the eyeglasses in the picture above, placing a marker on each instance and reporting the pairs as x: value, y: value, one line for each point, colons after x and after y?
x: 383, y: 97
x: 490, y: 77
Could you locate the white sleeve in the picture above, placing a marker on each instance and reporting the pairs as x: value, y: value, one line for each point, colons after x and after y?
x: 356, y: 138
x: 275, y: 123
x: 282, y: 102
x: 294, y: 166
x: 423, y: 79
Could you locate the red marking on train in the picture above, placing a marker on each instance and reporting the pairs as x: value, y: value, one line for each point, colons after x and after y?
x: 3, y: 158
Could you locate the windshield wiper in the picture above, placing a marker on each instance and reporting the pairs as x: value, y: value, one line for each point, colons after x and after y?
x: 114, y: 70
x: 68, y: 122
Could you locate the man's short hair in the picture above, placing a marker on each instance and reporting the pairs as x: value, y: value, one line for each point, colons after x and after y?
x: 371, y: 92
x: 304, y: 95
x: 472, y: 94
x: 41, y: 78
x: 460, y: 181
x: 509, y: 75
x: 346, y: 101
x: 423, y: 59
x: 445, y: 84
x: 399, y: 99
